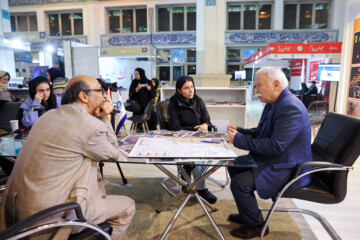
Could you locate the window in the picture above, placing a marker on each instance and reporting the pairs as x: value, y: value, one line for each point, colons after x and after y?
x: 306, y: 15
x: 23, y: 22
x: 176, y: 18
x: 249, y: 16
x: 66, y: 24
x: 179, y: 62
x: 235, y: 57
x: 127, y: 20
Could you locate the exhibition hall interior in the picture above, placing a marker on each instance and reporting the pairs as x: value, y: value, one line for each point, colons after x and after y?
x: 167, y: 108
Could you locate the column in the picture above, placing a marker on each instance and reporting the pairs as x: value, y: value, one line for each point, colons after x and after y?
x: 210, y: 44
x: 278, y: 14
x: 7, y: 62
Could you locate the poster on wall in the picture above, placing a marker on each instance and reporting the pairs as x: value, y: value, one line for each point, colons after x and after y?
x: 353, y: 98
x: 313, y: 71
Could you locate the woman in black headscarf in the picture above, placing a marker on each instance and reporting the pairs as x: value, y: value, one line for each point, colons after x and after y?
x: 41, y: 100
x: 142, y: 91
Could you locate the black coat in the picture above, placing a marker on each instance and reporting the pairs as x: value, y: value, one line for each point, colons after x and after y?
x: 184, y: 115
x: 143, y: 96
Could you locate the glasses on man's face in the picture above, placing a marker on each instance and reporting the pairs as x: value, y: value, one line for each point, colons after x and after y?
x: 96, y: 90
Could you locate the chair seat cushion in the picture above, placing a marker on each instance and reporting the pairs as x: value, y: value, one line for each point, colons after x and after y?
x: 90, y: 234
x: 138, y: 118
x: 317, y: 191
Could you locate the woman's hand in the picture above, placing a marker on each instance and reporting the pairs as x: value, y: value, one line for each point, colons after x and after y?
x: 137, y: 89
x: 39, y: 97
x: 231, y: 133
x: 148, y: 87
x: 202, y: 128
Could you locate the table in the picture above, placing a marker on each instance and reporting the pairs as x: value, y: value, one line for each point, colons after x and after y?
x: 187, y: 187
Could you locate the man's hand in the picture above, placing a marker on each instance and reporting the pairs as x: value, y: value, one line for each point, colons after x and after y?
x: 202, y: 128
x: 232, y: 126
x: 104, y: 110
x: 39, y: 97
x: 231, y: 133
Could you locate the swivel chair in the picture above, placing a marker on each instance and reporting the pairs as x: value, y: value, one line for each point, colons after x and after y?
x: 334, y: 151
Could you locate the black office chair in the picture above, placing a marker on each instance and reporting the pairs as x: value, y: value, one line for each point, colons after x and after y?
x: 9, y: 111
x: 29, y: 225
x: 334, y: 151
x: 142, y: 118
x: 161, y: 114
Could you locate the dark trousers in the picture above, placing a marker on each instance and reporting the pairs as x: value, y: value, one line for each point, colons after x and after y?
x: 242, y: 187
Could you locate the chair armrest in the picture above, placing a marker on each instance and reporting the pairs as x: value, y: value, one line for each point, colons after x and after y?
x: 317, y: 165
x: 214, y: 128
x: 30, y: 221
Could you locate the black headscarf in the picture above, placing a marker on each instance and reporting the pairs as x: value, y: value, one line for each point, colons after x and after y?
x: 51, y: 102
x: 55, y: 73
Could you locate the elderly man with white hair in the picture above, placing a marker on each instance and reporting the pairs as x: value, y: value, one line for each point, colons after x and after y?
x: 281, y: 140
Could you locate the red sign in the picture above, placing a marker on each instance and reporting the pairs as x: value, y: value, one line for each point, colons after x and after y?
x: 296, y: 48
x: 314, y: 69
x: 298, y: 65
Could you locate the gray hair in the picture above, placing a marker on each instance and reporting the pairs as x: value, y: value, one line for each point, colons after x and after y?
x: 274, y: 73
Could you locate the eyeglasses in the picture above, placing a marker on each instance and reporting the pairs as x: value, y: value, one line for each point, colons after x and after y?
x: 97, y: 90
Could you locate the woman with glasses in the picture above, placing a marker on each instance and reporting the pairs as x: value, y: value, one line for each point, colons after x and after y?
x: 41, y: 100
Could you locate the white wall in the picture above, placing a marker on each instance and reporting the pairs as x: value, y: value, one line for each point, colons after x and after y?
x: 121, y: 70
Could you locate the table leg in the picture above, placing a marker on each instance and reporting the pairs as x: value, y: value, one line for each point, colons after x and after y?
x: 174, y: 218
x: 217, y: 230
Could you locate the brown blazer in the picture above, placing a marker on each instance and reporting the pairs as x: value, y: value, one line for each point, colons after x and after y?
x: 58, y: 164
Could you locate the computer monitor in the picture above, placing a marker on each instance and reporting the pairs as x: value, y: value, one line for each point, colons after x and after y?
x: 328, y: 72
x: 240, y: 75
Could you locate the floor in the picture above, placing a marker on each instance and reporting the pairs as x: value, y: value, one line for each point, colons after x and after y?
x: 344, y: 217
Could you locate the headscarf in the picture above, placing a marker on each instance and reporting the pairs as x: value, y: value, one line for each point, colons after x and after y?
x: 51, y: 102
x: 55, y: 73
x: 4, y: 86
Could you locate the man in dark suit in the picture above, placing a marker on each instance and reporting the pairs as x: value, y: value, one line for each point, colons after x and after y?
x: 280, y: 142
x: 313, y: 89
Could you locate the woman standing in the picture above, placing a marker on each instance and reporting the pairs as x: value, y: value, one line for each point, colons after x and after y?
x: 41, y: 100
x: 142, y: 91
x: 187, y: 111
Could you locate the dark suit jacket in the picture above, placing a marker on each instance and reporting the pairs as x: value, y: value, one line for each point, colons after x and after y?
x: 280, y: 142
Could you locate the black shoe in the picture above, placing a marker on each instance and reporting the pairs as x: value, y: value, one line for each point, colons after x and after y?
x: 208, y: 196
x: 246, y: 232
x: 235, y: 218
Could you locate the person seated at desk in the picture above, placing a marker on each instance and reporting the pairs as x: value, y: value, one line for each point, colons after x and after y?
x: 4, y: 92
x: 187, y: 111
x: 313, y: 89
x: 41, y: 100
x: 280, y: 142
x: 303, y: 89
x: 58, y: 163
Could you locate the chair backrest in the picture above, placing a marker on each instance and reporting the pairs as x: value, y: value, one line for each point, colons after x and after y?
x: 148, y: 110
x: 317, y: 111
x: 9, y: 111
x: 337, y: 141
x: 161, y: 112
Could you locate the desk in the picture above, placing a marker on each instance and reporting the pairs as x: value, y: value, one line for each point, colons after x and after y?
x: 187, y: 187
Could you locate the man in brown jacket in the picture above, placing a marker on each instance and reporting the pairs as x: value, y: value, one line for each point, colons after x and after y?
x: 58, y: 162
